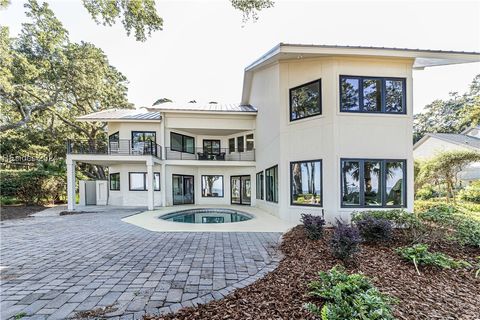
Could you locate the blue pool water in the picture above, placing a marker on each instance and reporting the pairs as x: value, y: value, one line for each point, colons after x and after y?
x: 207, y: 215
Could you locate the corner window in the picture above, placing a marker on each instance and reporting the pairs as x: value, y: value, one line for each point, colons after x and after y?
x: 137, y: 181
x: 115, y: 137
x: 212, y: 186
x: 259, y: 188
x: 271, y: 184
x: 306, y: 183
x: 306, y: 100
x: 250, y: 142
x: 373, y: 183
x: 144, y: 142
x: 182, y: 143
x: 115, y: 181
x: 372, y: 95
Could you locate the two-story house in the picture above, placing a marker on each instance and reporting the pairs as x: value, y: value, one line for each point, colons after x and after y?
x: 318, y: 127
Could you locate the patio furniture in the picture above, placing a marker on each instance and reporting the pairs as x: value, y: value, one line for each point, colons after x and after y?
x: 202, y: 156
x: 220, y: 156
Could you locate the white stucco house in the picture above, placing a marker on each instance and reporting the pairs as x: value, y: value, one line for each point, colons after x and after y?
x: 434, y: 143
x: 318, y: 127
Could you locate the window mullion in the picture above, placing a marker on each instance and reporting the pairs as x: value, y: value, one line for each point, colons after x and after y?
x: 361, y: 171
x: 360, y: 94
x: 384, y: 95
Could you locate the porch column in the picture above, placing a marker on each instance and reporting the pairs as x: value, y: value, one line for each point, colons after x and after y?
x: 163, y: 185
x: 71, y: 199
x: 150, y: 185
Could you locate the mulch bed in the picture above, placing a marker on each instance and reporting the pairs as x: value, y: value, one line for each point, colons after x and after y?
x: 18, y: 211
x: 435, y: 294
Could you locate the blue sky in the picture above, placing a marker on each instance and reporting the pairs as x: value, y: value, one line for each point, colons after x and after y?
x: 204, y: 47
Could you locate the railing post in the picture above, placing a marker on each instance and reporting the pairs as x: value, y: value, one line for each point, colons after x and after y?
x: 69, y: 146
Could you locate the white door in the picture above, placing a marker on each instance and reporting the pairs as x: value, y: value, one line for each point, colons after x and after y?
x: 102, y: 192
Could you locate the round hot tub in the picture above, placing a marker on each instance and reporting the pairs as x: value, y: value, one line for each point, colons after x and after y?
x: 207, y: 215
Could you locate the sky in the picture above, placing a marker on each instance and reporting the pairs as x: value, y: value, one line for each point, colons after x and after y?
x: 204, y: 45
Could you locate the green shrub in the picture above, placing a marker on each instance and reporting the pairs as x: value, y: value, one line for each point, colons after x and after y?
x: 471, y: 192
x: 374, y: 229
x: 426, y: 192
x: 419, y: 255
x: 348, y: 297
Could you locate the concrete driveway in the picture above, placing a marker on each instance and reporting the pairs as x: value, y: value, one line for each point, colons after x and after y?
x: 55, y: 267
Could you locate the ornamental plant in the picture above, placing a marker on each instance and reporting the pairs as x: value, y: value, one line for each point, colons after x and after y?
x: 348, y: 296
x: 313, y: 225
x: 373, y: 229
x: 345, y: 242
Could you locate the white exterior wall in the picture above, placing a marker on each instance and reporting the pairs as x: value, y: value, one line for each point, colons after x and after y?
x: 330, y: 136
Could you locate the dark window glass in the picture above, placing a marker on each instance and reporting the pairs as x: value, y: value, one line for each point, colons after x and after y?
x: 271, y: 184
x: 212, y: 186
x: 182, y: 143
x: 114, y: 137
x: 364, y: 94
x: 372, y: 184
x: 372, y: 95
x: 260, y: 185
x: 114, y: 181
x: 144, y: 141
x: 394, y: 96
x: 211, y: 146
x: 382, y: 183
x: 240, y: 147
x: 305, y: 100
x: 306, y: 183
x: 350, y: 183
x: 350, y: 94
x: 231, y: 145
x: 250, y: 142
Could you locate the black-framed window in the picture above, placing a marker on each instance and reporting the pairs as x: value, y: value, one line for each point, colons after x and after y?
x: 373, y: 94
x: 212, y: 186
x: 306, y: 100
x: 260, y: 188
x: 271, y: 184
x: 373, y: 183
x: 137, y: 181
x: 114, y: 137
x: 115, y: 181
x: 211, y: 146
x: 306, y: 183
x: 250, y: 142
x: 182, y: 143
x: 144, y: 137
x: 240, y: 142
x: 231, y: 145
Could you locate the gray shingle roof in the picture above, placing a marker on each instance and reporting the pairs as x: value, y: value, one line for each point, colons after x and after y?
x: 207, y: 107
x: 460, y: 139
x: 121, y: 114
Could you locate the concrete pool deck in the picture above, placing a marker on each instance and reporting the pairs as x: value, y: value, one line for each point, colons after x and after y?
x: 261, y: 221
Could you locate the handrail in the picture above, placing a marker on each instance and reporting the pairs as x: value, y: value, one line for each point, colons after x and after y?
x: 210, y: 154
x: 114, y: 147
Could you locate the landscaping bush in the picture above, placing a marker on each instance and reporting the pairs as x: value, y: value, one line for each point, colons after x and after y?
x: 313, y: 225
x: 471, y: 192
x: 419, y: 255
x: 426, y: 192
x: 348, y: 297
x: 374, y: 229
x: 345, y: 241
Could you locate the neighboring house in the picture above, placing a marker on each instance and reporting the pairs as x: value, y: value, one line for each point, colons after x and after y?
x: 318, y: 127
x: 434, y: 143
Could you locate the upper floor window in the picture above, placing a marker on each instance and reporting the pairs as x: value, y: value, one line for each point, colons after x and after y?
x: 250, y: 142
x: 182, y: 143
x: 306, y: 183
x: 373, y: 183
x: 240, y: 142
x: 211, y: 146
x: 372, y: 95
x: 144, y: 141
x: 271, y: 184
x: 306, y: 100
x: 231, y: 145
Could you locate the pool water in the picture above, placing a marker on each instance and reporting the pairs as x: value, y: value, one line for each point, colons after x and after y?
x: 207, y: 215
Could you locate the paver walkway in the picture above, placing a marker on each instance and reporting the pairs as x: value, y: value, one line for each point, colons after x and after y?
x: 54, y: 267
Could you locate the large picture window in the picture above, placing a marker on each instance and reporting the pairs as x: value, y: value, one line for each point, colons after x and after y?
x: 373, y: 183
x: 260, y: 185
x: 306, y: 100
x: 144, y: 142
x: 372, y: 95
x: 115, y: 181
x: 306, y: 183
x: 182, y: 143
x: 212, y: 186
x: 271, y: 184
x: 137, y: 181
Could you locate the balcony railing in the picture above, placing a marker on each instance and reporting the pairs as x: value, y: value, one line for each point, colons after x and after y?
x: 120, y: 147
x: 216, y: 154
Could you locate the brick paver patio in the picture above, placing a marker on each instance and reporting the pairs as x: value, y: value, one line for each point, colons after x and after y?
x: 54, y: 267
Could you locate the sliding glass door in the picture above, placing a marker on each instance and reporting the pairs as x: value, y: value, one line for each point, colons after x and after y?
x: 183, y: 189
x: 240, y: 189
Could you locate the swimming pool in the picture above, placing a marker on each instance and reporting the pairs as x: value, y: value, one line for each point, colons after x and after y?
x: 207, y: 215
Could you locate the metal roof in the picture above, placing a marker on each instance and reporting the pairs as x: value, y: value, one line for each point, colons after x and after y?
x: 204, y: 107
x: 122, y: 114
x: 459, y: 139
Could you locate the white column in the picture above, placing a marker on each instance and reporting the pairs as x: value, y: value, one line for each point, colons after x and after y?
x: 150, y: 185
x: 71, y: 199
x: 163, y: 184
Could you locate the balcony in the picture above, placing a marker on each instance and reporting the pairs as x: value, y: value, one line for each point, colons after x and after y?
x: 218, y: 154
x: 120, y: 147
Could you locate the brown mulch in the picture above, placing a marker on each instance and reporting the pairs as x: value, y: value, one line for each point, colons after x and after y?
x: 435, y: 294
x: 18, y: 211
